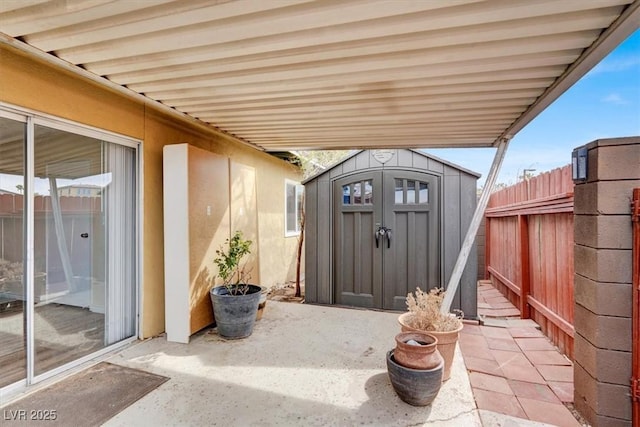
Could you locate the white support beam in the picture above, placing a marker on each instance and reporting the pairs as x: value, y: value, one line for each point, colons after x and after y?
x: 463, y: 256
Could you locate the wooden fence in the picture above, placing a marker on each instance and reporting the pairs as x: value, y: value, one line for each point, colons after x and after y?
x: 529, y: 251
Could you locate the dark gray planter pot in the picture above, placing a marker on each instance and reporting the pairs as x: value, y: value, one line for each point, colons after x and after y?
x: 235, y: 315
x: 417, y: 387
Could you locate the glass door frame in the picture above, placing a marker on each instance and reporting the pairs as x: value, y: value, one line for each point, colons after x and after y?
x: 32, y: 118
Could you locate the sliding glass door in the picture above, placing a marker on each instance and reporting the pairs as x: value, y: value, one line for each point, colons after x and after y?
x: 78, y: 230
x: 13, y: 347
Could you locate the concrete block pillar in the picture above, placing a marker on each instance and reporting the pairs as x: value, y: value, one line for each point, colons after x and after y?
x: 603, y: 263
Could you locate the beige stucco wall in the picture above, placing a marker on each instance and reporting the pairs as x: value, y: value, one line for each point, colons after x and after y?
x: 209, y: 226
x: 27, y: 83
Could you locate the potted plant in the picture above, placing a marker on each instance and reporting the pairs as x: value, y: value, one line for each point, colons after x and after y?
x: 424, y: 315
x: 235, y: 302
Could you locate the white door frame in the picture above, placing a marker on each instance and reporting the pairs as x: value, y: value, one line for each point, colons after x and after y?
x: 31, y: 118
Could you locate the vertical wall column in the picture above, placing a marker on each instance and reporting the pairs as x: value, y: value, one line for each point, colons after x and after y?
x: 196, y: 223
x: 603, y: 290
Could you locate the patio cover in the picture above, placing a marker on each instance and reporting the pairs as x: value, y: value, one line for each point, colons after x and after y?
x: 300, y: 74
x: 333, y: 74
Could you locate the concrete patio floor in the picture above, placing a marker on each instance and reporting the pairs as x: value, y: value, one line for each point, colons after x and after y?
x: 308, y: 365
x: 303, y: 365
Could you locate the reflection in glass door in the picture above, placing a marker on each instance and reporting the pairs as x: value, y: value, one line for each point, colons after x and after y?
x: 84, y: 246
x: 78, y: 225
x: 12, y: 293
x: 69, y: 247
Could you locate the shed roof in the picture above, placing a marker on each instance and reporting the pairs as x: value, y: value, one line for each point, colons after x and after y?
x: 419, y: 152
x: 300, y: 74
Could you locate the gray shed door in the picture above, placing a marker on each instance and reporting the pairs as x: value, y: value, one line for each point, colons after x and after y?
x: 386, y: 237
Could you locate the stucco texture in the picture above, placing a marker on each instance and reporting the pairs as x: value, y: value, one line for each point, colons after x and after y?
x: 29, y: 84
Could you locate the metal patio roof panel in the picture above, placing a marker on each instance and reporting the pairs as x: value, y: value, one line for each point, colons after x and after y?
x: 299, y: 74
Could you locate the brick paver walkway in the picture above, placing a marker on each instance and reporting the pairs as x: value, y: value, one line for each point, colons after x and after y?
x: 514, y: 369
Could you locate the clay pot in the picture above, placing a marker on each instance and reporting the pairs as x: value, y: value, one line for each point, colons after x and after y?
x: 422, y: 356
x: 446, y: 342
x: 417, y: 387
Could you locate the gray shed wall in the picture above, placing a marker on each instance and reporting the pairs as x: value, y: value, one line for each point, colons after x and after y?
x: 458, y: 202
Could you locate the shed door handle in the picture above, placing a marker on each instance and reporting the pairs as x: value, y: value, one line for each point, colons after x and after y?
x: 381, y: 233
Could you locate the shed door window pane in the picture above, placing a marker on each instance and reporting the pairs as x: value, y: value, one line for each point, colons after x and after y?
x: 294, y: 205
x: 409, y: 192
x: 346, y: 194
x: 424, y: 193
x: 357, y: 193
x: 368, y: 193
x: 399, y: 192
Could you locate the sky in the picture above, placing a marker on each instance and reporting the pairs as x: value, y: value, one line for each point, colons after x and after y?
x: 605, y: 103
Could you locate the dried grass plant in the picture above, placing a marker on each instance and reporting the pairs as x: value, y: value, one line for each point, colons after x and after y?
x: 425, y: 312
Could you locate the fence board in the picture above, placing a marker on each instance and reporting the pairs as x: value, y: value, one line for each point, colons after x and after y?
x: 541, y: 283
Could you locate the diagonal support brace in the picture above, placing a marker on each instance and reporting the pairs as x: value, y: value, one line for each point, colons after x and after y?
x: 467, y: 244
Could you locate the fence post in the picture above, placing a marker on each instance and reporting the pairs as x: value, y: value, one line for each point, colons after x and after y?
x: 487, y: 246
x: 525, y: 281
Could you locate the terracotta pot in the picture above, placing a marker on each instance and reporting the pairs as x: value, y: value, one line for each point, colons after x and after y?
x: 422, y: 356
x: 446, y: 342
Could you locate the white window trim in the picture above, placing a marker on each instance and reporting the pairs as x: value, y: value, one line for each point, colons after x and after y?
x: 299, y: 189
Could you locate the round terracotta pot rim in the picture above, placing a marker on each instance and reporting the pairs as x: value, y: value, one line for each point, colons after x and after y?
x: 408, y: 314
x: 419, y: 336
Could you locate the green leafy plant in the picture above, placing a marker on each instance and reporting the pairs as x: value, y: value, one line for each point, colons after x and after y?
x: 230, y: 269
x: 425, y: 311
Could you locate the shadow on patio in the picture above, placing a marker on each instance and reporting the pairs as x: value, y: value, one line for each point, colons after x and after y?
x: 303, y: 365
x: 320, y: 365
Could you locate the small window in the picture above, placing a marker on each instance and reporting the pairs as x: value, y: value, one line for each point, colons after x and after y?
x: 357, y: 193
x: 294, y: 199
x: 409, y: 192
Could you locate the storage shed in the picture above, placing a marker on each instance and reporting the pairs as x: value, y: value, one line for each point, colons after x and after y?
x: 381, y: 223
